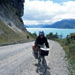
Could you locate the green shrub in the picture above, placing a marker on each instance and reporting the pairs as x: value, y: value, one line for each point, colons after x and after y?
x: 72, y: 48
x: 52, y: 36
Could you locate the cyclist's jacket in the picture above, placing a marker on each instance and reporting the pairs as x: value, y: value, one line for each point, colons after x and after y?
x: 41, y: 41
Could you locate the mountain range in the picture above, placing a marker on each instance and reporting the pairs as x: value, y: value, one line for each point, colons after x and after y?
x: 65, y: 23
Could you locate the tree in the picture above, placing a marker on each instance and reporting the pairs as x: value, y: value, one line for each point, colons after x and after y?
x: 60, y: 36
x: 56, y: 36
x: 50, y: 35
x: 34, y: 35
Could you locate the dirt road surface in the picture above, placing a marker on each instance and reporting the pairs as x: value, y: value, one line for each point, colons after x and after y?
x: 18, y: 60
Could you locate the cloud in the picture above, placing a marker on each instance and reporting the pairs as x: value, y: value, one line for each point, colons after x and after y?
x: 47, y: 12
x: 31, y: 22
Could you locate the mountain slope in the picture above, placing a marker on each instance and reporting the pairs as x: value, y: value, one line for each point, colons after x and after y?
x: 8, y: 36
x: 65, y: 23
x: 11, y: 25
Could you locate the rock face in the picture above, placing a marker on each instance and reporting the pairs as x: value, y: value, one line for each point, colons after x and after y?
x: 10, y: 17
x: 11, y: 25
x: 11, y: 12
x: 17, y: 4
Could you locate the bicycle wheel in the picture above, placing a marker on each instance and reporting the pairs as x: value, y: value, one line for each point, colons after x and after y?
x: 42, y: 67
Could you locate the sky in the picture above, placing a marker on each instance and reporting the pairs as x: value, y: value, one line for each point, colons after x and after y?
x: 47, y: 11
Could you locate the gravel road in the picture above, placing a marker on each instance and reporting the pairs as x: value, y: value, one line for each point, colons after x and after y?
x: 18, y: 60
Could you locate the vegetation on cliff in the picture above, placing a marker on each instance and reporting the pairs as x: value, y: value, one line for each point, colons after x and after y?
x: 8, y: 36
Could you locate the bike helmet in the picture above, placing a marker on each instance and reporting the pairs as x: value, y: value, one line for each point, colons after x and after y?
x: 41, y: 32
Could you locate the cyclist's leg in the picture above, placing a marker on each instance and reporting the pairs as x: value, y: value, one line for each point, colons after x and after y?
x: 33, y: 48
x: 34, y: 51
x: 39, y: 57
x: 39, y: 61
x: 43, y: 60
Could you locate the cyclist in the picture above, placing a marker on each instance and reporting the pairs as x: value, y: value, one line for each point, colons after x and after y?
x: 40, y: 40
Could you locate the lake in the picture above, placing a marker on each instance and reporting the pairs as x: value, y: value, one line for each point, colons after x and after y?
x: 63, y: 32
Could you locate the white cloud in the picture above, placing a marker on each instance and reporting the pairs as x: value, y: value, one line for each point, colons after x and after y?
x: 29, y: 22
x: 41, y: 12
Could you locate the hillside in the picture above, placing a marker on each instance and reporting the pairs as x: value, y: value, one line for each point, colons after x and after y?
x: 11, y: 25
x: 65, y: 23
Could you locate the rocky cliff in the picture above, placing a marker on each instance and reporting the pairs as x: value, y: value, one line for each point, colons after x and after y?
x: 11, y: 25
x: 17, y: 4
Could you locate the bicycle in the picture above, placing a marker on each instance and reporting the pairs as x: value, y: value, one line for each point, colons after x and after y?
x: 42, y: 64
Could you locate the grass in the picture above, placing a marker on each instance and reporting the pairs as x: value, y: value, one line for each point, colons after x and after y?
x: 69, y: 54
x: 9, y: 36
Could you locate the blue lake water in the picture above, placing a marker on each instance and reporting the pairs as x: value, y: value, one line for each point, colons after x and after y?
x: 63, y: 32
